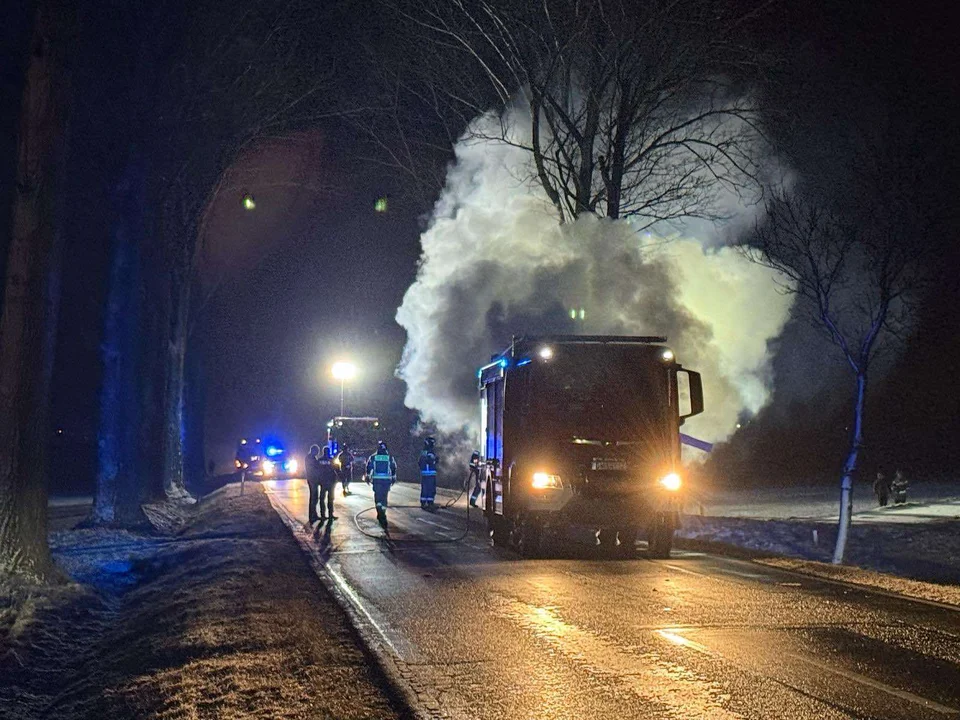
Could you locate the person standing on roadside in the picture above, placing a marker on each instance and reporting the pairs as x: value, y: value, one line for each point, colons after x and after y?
x: 428, y: 475
x: 473, y: 467
x: 382, y: 473
x: 328, y: 483
x: 344, y: 464
x: 311, y: 470
x: 881, y: 488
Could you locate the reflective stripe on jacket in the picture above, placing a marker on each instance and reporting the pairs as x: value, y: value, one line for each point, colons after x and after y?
x: 381, y: 467
x: 428, y: 463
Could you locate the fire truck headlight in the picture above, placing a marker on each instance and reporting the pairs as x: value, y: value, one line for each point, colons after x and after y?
x: 291, y: 465
x: 671, y: 482
x: 543, y: 481
x: 268, y: 467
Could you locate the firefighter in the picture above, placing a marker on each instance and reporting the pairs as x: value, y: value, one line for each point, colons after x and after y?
x: 382, y: 473
x: 311, y: 470
x: 428, y: 474
x: 474, y: 468
x: 881, y: 488
x: 899, y: 488
x: 328, y: 483
x: 345, y: 465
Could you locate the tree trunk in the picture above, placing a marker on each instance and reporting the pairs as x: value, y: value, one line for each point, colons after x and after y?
x: 173, y: 412
x: 850, y: 470
x: 118, y: 495
x: 30, y: 303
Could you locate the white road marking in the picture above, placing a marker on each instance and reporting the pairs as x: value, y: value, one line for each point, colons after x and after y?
x: 877, y: 685
x: 678, y: 639
x: 354, y: 598
x: 650, y: 675
x: 752, y: 576
x: 435, y: 524
x: 684, y: 570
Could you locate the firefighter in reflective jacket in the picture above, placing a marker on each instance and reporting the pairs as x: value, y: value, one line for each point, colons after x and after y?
x: 382, y: 473
x: 474, y: 469
x: 428, y: 474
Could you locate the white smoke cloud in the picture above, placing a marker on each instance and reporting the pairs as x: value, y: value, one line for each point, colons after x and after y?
x: 495, y: 262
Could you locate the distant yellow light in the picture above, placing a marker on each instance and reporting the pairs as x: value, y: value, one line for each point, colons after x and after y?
x: 671, y: 482
x: 380, y: 205
x: 239, y: 465
x: 546, y: 352
x: 243, y: 442
x: 248, y: 202
x: 667, y: 355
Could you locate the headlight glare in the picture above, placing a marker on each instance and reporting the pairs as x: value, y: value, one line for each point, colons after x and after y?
x: 671, y: 482
x: 543, y: 481
x: 291, y: 465
x: 268, y: 467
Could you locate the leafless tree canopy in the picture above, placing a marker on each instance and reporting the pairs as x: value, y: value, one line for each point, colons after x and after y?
x: 858, y: 269
x: 633, y: 107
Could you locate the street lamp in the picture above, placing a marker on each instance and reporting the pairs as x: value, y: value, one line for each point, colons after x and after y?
x: 343, y: 371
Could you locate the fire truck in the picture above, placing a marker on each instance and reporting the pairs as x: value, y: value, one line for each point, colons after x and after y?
x: 359, y: 434
x: 584, y: 431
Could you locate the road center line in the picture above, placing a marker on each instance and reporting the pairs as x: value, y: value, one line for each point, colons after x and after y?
x: 877, y: 685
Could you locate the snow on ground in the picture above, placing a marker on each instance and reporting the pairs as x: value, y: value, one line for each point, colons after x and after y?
x: 926, y: 502
x: 224, y: 619
x: 919, y: 540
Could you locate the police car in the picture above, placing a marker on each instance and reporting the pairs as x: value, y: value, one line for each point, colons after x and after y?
x: 265, y: 459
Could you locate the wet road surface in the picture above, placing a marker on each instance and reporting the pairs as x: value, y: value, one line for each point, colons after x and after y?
x: 479, y: 633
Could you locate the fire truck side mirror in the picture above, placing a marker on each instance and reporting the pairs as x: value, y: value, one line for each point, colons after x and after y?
x: 690, y: 385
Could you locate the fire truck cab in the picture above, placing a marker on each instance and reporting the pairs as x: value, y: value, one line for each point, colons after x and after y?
x: 585, y: 431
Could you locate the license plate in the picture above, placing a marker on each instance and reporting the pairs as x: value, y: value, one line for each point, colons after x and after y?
x: 608, y: 464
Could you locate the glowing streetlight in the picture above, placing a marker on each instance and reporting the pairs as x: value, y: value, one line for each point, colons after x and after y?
x: 343, y: 371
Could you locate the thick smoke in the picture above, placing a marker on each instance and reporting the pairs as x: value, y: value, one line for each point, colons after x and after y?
x: 495, y: 262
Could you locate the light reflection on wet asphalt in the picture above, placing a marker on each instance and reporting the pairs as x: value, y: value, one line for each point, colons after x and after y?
x: 481, y: 634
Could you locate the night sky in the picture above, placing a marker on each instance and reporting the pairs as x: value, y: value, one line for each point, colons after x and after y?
x: 315, y: 273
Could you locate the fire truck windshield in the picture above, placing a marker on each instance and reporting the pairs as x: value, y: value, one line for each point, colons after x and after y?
x: 601, y: 395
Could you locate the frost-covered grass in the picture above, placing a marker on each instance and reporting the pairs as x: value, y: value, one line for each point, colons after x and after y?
x: 223, y: 619
x: 919, y: 540
x: 926, y: 501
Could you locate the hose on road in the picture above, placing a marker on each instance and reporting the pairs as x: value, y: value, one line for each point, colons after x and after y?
x: 386, y: 532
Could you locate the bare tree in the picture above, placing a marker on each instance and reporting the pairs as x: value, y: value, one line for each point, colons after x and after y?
x: 855, y: 275
x: 633, y: 110
x: 219, y: 77
x: 31, y: 299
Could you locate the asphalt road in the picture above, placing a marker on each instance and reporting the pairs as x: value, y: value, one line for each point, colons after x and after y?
x: 479, y: 633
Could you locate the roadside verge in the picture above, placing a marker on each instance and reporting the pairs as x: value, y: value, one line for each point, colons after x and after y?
x: 373, y: 640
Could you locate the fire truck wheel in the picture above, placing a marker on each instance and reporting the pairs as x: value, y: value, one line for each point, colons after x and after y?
x: 499, y: 533
x: 628, y: 542
x: 528, y: 534
x: 660, y: 540
x: 608, y: 542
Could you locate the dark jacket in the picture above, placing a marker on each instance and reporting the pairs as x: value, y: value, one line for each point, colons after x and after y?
x: 327, y: 474
x: 311, y: 468
x: 345, y: 458
x: 428, y: 462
